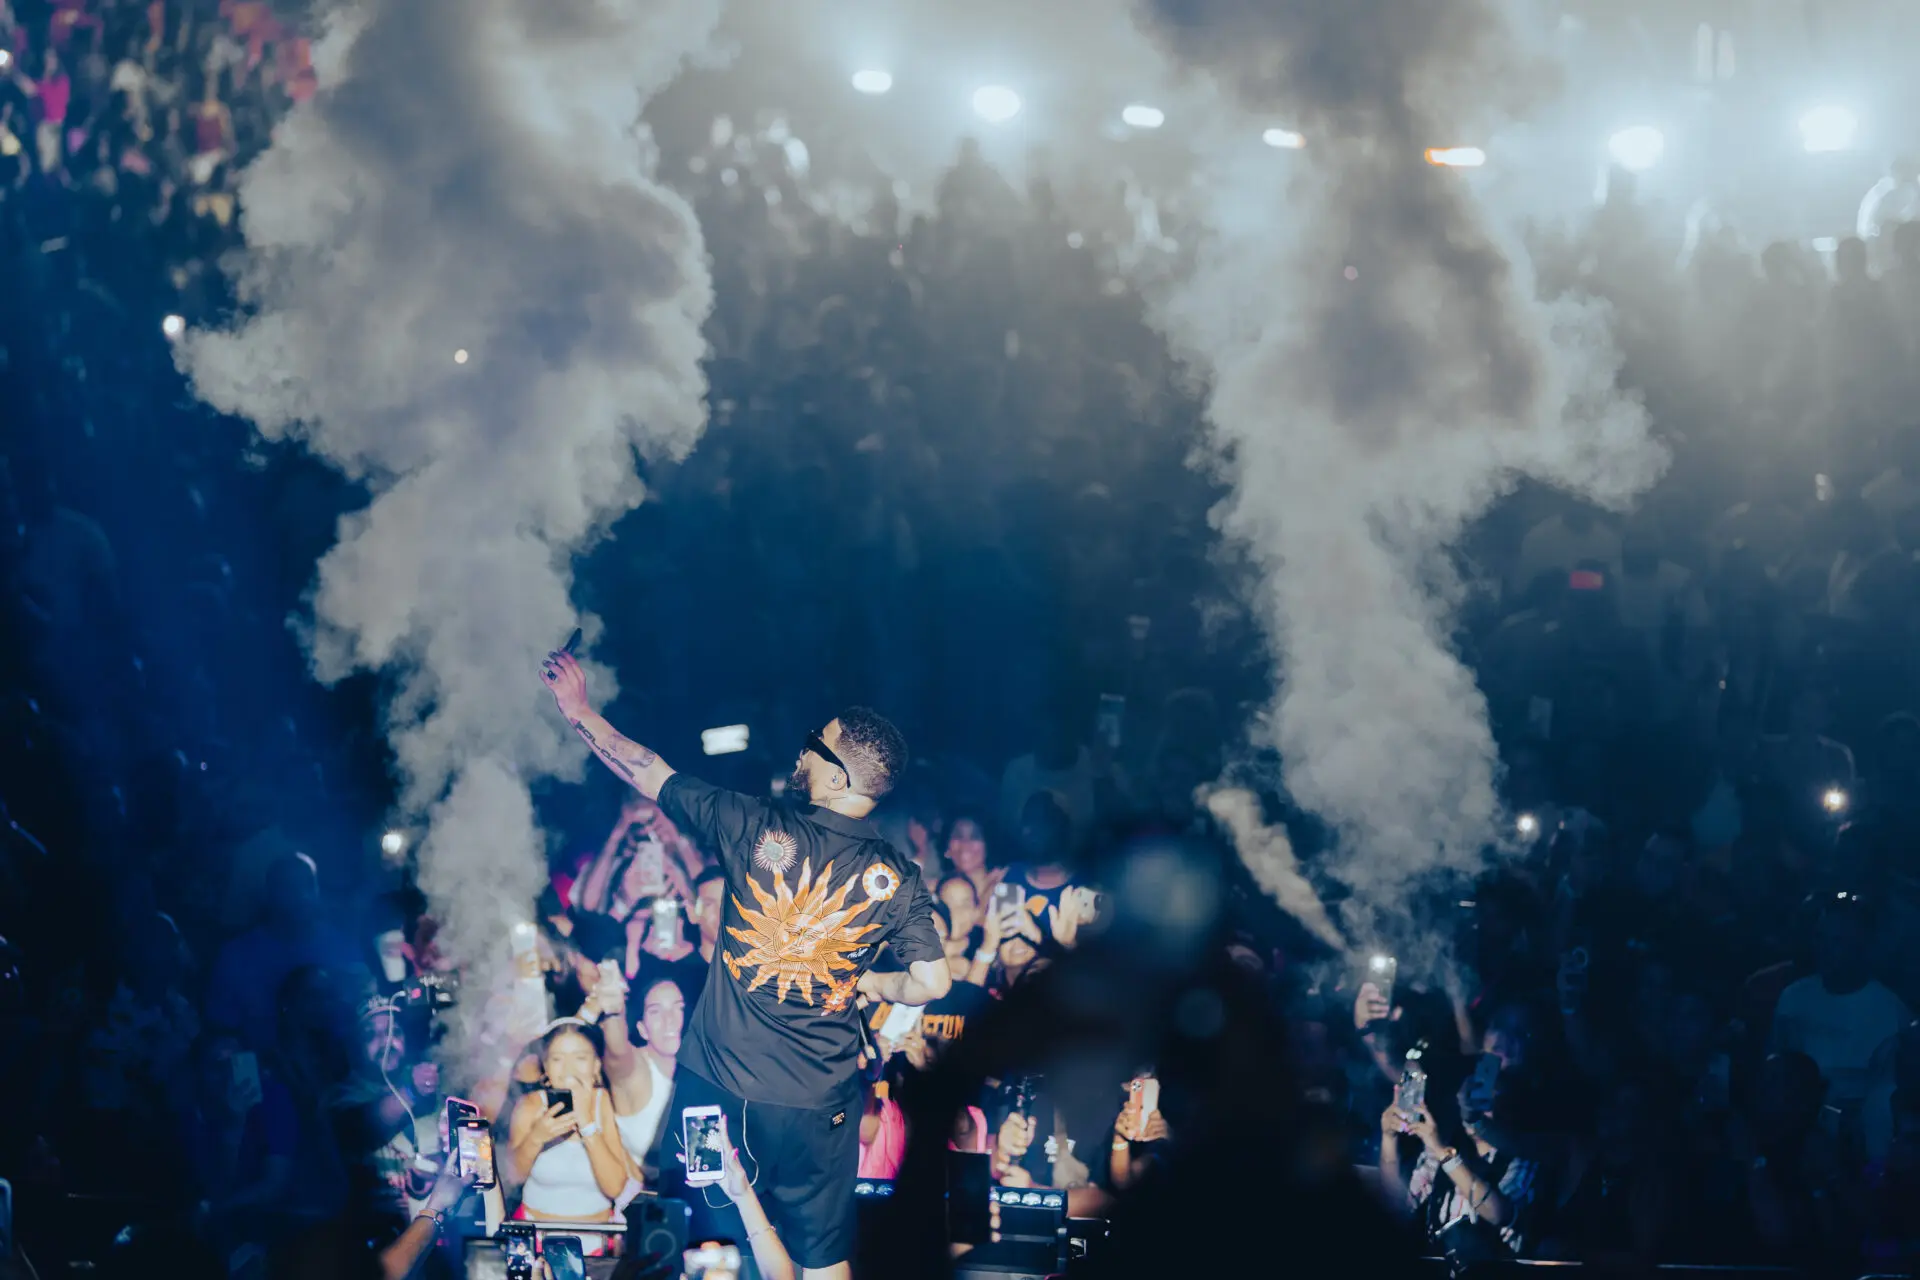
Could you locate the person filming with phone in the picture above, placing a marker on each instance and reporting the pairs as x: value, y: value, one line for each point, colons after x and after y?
x: 812, y: 891
x: 1472, y: 1198
x: 564, y: 1136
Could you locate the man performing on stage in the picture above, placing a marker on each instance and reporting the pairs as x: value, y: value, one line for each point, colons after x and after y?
x: 813, y: 889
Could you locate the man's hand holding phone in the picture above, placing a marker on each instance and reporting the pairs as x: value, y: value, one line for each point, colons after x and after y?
x: 1370, y: 1007
x: 450, y: 1187
x: 1015, y: 920
x: 1010, y: 1145
x: 567, y: 682
x: 610, y: 991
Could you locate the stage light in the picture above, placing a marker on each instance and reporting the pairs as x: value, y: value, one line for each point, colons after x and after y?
x: 173, y: 326
x: 872, y: 81
x: 995, y: 103
x: 393, y: 844
x: 1456, y: 157
x: 726, y: 740
x: 1828, y: 128
x: 1834, y: 801
x: 1141, y: 116
x: 1527, y: 825
x: 460, y: 356
x: 1284, y: 139
x: 1637, y: 149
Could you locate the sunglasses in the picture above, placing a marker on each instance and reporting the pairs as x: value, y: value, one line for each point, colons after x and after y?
x: 825, y: 752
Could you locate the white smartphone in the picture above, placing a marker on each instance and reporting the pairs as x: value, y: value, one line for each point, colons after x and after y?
x: 651, y: 858
x: 901, y: 1020
x: 703, y: 1135
x: 1149, y: 1103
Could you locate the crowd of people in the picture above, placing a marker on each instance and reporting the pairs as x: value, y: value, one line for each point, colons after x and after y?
x: 1679, y: 1027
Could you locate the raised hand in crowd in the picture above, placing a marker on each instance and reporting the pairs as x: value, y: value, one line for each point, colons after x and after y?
x: 1010, y: 1146
x: 1370, y: 1007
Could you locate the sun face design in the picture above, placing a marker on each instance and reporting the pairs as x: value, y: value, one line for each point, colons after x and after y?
x: 800, y: 935
x: 775, y: 851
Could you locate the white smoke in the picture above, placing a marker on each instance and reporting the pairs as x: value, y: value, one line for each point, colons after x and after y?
x: 1268, y: 853
x: 1379, y: 370
x: 471, y: 178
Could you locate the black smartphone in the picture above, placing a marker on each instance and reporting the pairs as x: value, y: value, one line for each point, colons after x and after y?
x: 566, y: 1259
x: 516, y: 1242
x: 473, y: 1148
x: 561, y: 1097
x: 458, y: 1109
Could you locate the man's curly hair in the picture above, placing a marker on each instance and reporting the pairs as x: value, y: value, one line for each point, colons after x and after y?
x: 873, y: 749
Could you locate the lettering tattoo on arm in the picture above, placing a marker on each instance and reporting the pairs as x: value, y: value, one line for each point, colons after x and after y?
x: 622, y: 762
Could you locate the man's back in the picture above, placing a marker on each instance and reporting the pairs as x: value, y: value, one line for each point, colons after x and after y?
x: 810, y: 896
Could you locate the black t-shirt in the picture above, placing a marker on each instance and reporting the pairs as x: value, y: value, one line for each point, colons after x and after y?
x: 811, y: 895
x: 946, y: 1018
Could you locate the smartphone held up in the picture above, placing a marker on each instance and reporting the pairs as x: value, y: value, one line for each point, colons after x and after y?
x: 1381, y: 972
x: 703, y: 1136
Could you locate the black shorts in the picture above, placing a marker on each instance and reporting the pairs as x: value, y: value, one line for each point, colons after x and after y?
x: 802, y: 1162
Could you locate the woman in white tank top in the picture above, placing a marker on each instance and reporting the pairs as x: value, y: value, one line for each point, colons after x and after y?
x: 574, y: 1161
x: 640, y: 1077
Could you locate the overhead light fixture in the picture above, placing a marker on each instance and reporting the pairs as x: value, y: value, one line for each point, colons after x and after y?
x: 727, y: 740
x: 1284, y: 139
x: 1637, y: 149
x: 1828, y: 128
x: 995, y: 103
x: 872, y: 81
x: 1456, y: 157
x: 1141, y: 116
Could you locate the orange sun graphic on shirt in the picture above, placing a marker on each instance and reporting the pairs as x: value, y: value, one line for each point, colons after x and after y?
x: 801, y: 936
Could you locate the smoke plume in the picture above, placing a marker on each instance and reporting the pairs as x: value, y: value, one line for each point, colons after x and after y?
x: 1379, y: 371
x: 1269, y: 855
x: 464, y: 287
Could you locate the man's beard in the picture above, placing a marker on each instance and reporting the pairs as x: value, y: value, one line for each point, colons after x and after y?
x: 799, y: 785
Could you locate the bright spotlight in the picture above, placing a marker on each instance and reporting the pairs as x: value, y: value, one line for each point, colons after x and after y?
x: 393, y: 844
x: 1456, y: 157
x: 173, y: 326
x: 1141, y: 116
x: 872, y: 81
x: 1834, y: 800
x: 1637, y: 149
x: 996, y: 104
x: 1284, y: 139
x: 1527, y: 825
x: 1828, y: 128
x: 460, y: 356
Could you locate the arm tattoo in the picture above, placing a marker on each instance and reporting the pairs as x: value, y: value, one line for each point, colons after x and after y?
x: 639, y: 755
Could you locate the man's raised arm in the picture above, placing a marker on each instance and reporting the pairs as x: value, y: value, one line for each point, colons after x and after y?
x: 640, y: 768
